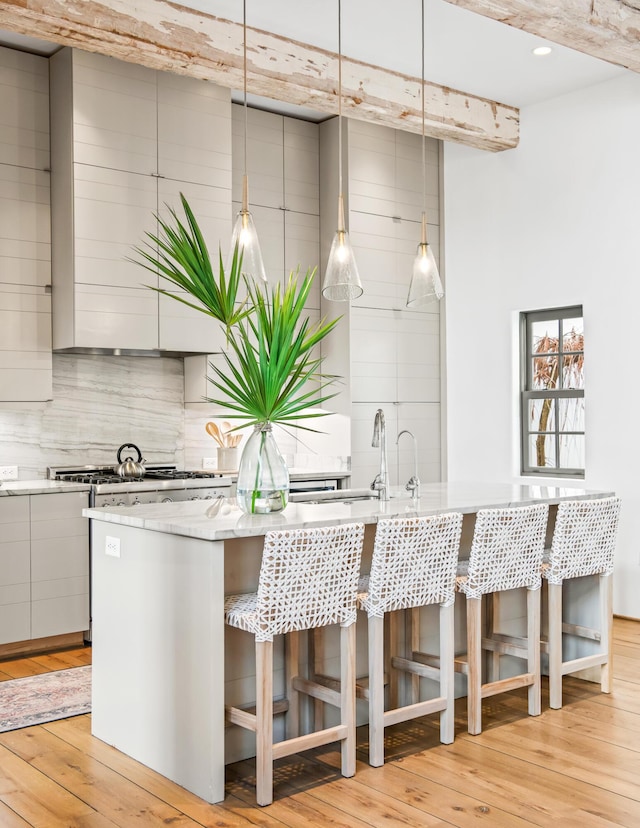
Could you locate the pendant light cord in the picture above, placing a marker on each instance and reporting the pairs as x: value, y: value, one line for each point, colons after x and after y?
x: 339, y: 97
x: 424, y: 173
x: 244, y: 64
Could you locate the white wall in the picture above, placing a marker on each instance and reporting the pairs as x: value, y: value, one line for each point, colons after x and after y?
x: 554, y: 222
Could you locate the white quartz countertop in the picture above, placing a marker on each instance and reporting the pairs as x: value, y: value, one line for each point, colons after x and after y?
x: 222, y: 519
x: 32, y: 487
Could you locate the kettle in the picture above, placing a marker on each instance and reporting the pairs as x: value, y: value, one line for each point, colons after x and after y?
x: 130, y: 467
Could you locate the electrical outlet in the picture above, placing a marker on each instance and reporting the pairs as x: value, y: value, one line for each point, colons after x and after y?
x: 112, y: 547
x: 209, y: 463
x: 8, y: 472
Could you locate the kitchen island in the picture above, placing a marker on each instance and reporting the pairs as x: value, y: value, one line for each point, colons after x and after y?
x: 161, y: 667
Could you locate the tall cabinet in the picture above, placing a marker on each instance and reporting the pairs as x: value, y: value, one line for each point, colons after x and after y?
x: 283, y: 167
x: 25, y: 240
x: 389, y: 355
x: 126, y: 141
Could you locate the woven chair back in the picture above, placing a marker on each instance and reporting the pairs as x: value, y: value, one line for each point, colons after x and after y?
x: 414, y: 563
x: 584, y: 539
x: 507, y: 549
x: 308, y: 579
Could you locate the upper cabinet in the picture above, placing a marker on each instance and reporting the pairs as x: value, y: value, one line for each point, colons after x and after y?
x: 284, y: 199
x: 125, y: 142
x: 25, y: 238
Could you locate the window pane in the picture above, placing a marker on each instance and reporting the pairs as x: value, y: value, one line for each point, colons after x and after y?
x: 545, y: 373
x: 571, y: 414
x: 542, y: 415
x: 573, y: 371
x: 542, y: 450
x: 544, y: 336
x: 572, y: 451
x: 573, y: 334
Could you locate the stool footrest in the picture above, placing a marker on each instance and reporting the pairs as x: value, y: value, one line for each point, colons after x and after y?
x: 494, y: 687
x: 506, y: 645
x: 581, y: 632
x: 311, y: 740
x: 317, y: 690
x: 584, y: 663
x: 416, y: 667
x: 412, y: 711
x: 246, y: 716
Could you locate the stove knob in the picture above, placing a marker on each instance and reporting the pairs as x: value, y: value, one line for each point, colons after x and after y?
x: 121, y: 503
x: 195, y: 497
x: 136, y: 502
x: 166, y: 500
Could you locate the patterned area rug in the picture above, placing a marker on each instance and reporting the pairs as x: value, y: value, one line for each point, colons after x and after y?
x: 35, y: 700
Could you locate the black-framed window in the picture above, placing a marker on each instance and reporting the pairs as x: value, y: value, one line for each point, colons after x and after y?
x: 552, y: 391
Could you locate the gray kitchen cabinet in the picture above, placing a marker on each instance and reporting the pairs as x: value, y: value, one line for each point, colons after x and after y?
x: 126, y: 141
x: 283, y: 169
x: 389, y: 356
x: 44, y: 566
x: 25, y: 244
x: 15, y: 570
x: 59, y: 564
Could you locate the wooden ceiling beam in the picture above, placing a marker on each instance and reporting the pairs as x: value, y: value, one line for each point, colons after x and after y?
x: 163, y: 35
x: 606, y: 29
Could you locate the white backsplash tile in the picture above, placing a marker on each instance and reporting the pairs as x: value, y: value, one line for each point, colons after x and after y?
x: 99, y: 403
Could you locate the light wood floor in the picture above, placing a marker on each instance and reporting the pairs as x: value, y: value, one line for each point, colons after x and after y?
x: 578, y: 767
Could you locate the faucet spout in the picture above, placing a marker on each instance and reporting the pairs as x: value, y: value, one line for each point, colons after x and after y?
x: 381, y: 480
x: 413, y: 485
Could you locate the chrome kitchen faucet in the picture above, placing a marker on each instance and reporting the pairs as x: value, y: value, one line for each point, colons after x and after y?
x: 381, y: 481
x: 413, y: 485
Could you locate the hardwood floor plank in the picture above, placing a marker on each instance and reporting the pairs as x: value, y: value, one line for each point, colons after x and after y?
x: 33, y: 795
x: 76, y: 732
x: 573, y: 755
x: 91, y: 782
x: 9, y: 818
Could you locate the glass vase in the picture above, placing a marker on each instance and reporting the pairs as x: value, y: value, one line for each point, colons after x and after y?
x: 263, y: 476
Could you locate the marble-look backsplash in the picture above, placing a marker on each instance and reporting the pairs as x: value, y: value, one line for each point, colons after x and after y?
x: 99, y: 403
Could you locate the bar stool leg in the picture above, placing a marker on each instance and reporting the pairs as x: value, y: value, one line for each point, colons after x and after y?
x: 554, y: 600
x: 394, y: 679
x: 605, y: 583
x: 447, y: 673
x: 348, y: 697
x: 292, y: 668
x: 492, y: 612
x: 264, y: 722
x: 412, y: 646
x: 376, y: 691
x: 474, y: 655
x: 533, y: 650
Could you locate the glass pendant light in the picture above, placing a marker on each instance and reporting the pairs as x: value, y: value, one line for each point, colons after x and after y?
x: 425, y: 284
x: 341, y: 279
x: 244, y: 231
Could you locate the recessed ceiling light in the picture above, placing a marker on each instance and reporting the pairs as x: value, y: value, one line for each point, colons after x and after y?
x: 542, y: 50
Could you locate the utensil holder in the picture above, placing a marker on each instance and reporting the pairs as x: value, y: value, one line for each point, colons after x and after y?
x: 228, y: 458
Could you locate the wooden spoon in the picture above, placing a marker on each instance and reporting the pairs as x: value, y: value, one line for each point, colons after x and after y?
x: 214, y: 431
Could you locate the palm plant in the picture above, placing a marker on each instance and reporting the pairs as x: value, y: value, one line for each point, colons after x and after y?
x: 270, y: 357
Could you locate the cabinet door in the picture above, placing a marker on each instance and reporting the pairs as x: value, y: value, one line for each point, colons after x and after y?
x: 25, y: 344
x: 24, y: 114
x: 115, y: 121
x: 194, y: 132
x: 265, y: 162
x: 59, y: 564
x: 15, y: 570
x: 182, y: 328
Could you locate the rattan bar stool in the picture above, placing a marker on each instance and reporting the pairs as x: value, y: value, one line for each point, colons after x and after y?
x: 308, y: 579
x: 506, y: 553
x: 414, y: 565
x: 584, y: 541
